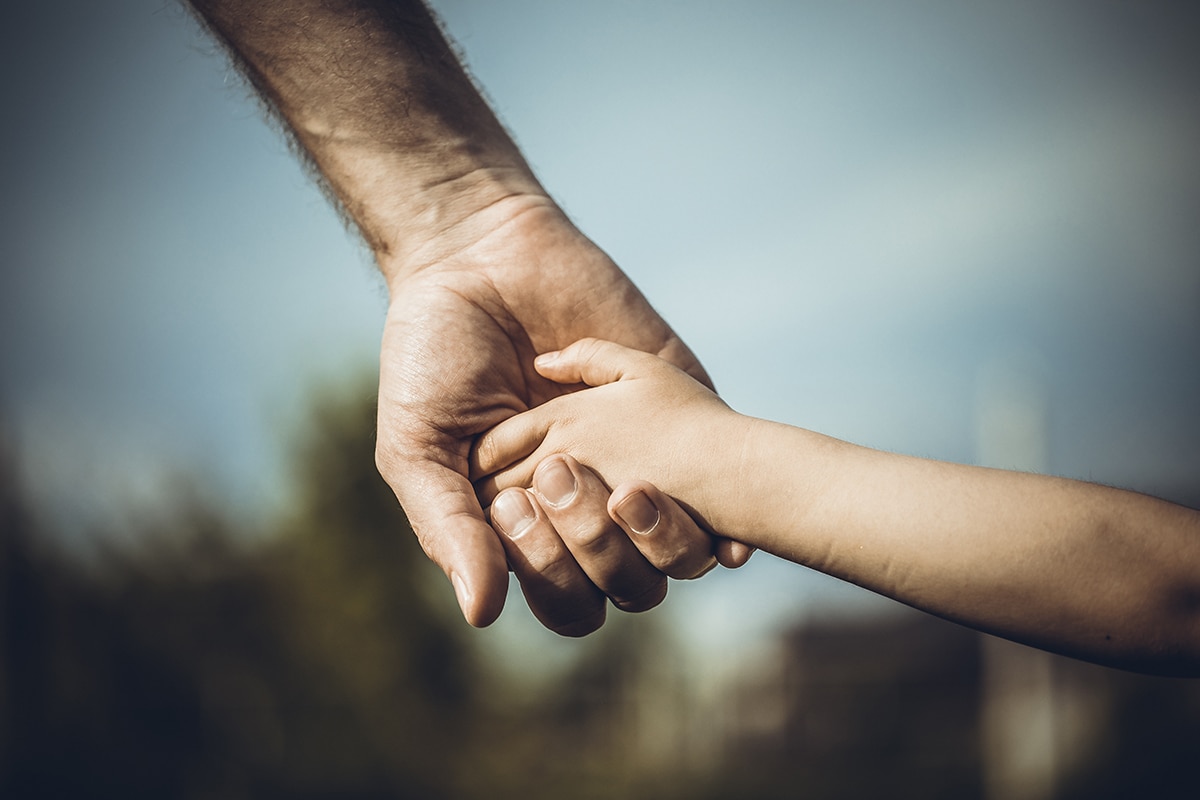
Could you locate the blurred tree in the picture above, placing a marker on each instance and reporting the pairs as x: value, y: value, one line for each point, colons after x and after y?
x: 206, y: 662
x: 325, y: 657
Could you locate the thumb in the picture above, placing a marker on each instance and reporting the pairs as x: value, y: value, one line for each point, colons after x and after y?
x: 445, y: 515
x: 592, y: 361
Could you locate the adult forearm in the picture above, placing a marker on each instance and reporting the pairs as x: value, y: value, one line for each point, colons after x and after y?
x: 374, y: 95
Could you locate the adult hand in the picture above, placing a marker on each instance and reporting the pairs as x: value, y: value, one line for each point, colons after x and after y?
x: 484, y: 271
x: 457, y: 358
x: 573, y: 546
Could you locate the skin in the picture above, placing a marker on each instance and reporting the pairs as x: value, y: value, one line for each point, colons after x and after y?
x: 1088, y: 571
x: 483, y: 272
x: 551, y: 536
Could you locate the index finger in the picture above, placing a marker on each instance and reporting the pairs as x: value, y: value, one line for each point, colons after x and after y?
x: 509, y: 441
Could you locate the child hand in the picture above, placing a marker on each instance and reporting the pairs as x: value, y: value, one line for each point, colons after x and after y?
x: 644, y: 420
x: 639, y: 538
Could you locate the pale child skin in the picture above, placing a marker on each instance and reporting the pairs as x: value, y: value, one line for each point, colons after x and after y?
x: 1088, y: 571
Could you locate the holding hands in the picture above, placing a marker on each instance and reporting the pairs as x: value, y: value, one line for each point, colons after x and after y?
x: 485, y: 272
x: 1084, y: 570
x: 458, y: 358
x: 483, y: 269
x: 628, y: 542
x: 644, y: 419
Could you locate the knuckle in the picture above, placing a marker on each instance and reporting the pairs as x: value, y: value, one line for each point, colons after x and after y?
x: 553, y: 564
x: 544, y: 560
x: 587, y: 342
x: 648, y: 599
x: 485, y: 454
x: 674, y: 566
x: 587, y: 348
x: 591, y: 535
x: 678, y: 562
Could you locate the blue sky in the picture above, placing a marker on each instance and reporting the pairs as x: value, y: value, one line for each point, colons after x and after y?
x: 854, y: 213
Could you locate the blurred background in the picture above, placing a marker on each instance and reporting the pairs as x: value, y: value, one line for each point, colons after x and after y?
x: 960, y: 231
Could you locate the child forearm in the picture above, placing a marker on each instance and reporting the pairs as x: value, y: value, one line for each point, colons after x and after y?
x: 1085, y: 570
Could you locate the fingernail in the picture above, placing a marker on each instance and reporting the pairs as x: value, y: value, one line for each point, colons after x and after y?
x: 546, y: 358
x: 638, y: 513
x: 555, y: 483
x: 513, y: 513
x: 461, y: 592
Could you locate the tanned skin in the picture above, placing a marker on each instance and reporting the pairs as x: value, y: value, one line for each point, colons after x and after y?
x: 483, y: 269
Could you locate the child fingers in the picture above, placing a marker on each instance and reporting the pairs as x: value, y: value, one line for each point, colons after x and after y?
x: 731, y: 554
x: 558, y: 592
x: 591, y: 361
x: 662, y: 531
x: 519, y: 474
x: 507, y: 443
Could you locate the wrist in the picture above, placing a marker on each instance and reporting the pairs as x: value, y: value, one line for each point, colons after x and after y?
x: 522, y: 252
x: 388, y: 116
x: 726, y: 473
x: 781, y: 475
x: 427, y: 222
